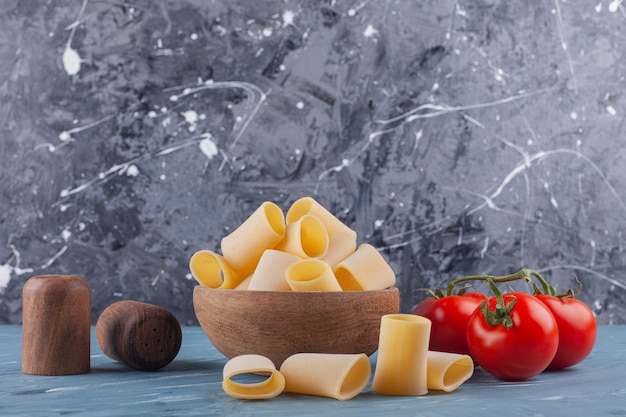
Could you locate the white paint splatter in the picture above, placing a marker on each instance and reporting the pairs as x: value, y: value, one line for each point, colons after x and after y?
x: 370, y: 31
x: 54, y: 257
x: 71, y: 61
x: 592, y: 262
x: 267, y: 32
x: 599, y: 7
x: 611, y: 110
x: 561, y: 30
x: 354, y: 11
x: 5, y: 276
x: 573, y: 115
x: 378, y: 223
x: 208, y: 147
x: 221, y: 30
x: 429, y: 110
x: 66, y: 234
x: 499, y: 74
x: 191, y: 117
x: 597, y: 304
x: 300, y: 105
x: 194, y: 36
x: 418, y: 137
x: 288, y: 17
x: 132, y: 171
x: 483, y: 251
x: 615, y: 5
x: 66, y: 135
x: 554, y: 203
x: 344, y: 163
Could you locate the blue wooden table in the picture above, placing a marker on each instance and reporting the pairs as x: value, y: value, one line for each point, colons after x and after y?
x: 191, y: 386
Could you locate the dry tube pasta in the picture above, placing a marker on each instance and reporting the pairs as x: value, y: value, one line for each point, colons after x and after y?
x: 306, y: 238
x: 339, y: 376
x: 447, y: 371
x: 243, y: 285
x: 270, y: 272
x: 270, y: 387
x: 340, y: 246
x: 307, y: 205
x: 365, y: 269
x: 311, y: 275
x: 402, y: 355
x: 263, y: 230
x: 212, y: 270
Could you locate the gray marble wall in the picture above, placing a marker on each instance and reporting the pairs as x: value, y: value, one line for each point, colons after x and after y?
x: 457, y: 136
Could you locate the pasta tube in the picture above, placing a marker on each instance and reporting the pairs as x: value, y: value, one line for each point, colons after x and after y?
x: 243, y: 285
x: 307, y: 205
x: 243, y: 247
x: 306, y: 238
x: 311, y: 275
x: 340, y: 246
x: 270, y: 272
x: 365, y: 269
x: 211, y: 270
x: 402, y: 355
x: 447, y: 371
x: 339, y: 376
x: 271, y: 387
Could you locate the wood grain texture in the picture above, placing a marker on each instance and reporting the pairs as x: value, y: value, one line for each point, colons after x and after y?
x: 56, y: 314
x: 277, y: 324
x: 141, y: 335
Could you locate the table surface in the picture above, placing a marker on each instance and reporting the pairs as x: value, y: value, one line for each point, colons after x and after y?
x: 191, y: 385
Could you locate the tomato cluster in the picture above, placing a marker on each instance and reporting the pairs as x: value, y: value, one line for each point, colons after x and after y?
x: 513, y: 336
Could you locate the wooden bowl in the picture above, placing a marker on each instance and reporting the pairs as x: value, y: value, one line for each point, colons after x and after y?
x: 278, y: 324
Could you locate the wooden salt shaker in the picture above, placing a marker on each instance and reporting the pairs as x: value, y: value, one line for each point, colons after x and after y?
x: 141, y: 335
x: 56, y: 318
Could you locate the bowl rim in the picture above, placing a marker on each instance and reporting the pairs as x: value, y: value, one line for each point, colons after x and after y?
x: 390, y: 290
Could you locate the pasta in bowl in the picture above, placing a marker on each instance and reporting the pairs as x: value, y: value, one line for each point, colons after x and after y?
x: 296, y: 283
x: 278, y: 324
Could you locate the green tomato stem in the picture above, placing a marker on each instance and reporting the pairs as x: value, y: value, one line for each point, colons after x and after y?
x: 548, y: 289
x: 502, y: 313
x: 523, y: 273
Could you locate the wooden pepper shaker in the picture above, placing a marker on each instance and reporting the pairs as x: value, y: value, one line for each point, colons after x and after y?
x: 56, y: 319
x: 141, y: 335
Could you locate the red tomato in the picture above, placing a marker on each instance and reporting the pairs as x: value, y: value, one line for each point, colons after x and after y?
x: 577, y: 329
x: 449, y: 316
x: 520, y: 351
